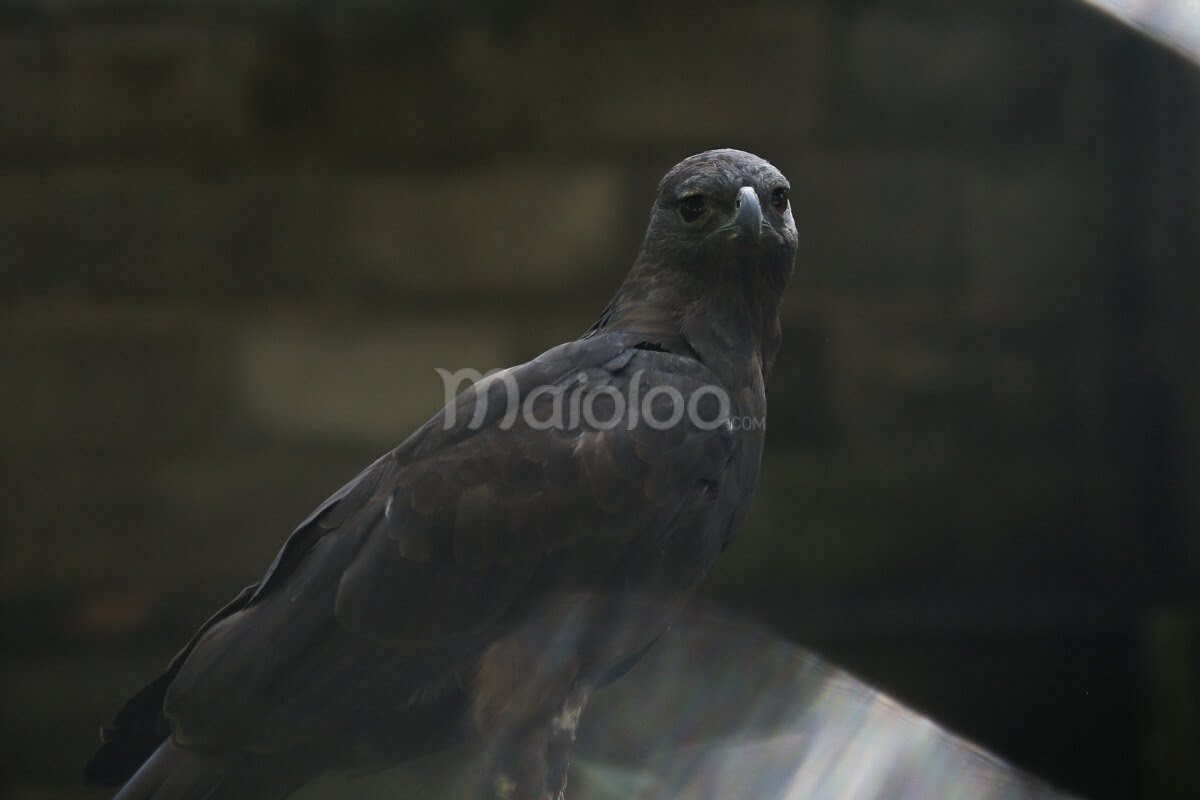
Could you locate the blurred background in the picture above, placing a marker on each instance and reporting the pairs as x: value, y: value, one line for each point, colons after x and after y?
x: 236, y: 238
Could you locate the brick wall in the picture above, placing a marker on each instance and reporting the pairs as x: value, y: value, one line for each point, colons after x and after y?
x: 237, y: 238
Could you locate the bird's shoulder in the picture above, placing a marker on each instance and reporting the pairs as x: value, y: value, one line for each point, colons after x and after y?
x: 484, y: 461
x: 472, y: 509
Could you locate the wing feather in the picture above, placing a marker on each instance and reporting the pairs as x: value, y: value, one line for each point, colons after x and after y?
x: 420, y: 560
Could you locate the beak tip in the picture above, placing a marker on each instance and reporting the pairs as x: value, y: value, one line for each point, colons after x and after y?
x: 749, y: 215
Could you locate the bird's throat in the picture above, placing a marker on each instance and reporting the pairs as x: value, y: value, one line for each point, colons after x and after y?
x: 733, y: 329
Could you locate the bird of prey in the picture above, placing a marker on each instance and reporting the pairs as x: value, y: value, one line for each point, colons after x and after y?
x: 484, y: 577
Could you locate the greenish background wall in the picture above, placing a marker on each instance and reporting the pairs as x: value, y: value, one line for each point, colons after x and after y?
x: 236, y: 238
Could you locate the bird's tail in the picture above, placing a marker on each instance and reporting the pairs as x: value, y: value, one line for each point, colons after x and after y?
x: 172, y: 773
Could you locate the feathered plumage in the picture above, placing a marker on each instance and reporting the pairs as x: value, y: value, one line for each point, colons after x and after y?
x: 487, y: 574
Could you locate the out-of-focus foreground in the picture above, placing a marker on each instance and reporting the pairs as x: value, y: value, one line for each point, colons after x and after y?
x: 236, y: 238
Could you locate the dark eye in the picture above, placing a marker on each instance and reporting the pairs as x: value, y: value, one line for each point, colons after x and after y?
x: 692, y: 207
x: 779, y: 199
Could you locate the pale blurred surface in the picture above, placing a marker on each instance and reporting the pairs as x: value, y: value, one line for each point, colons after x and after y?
x: 236, y: 238
x: 726, y: 709
x: 1175, y: 23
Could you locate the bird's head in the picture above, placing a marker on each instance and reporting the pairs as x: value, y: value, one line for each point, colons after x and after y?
x: 714, y: 263
x: 721, y: 215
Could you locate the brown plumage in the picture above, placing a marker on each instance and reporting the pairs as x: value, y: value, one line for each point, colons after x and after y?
x: 483, y: 579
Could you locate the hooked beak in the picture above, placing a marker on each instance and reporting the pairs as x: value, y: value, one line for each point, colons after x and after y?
x: 748, y: 220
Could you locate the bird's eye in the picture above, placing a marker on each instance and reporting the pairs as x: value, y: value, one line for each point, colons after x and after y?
x: 779, y: 199
x: 692, y: 207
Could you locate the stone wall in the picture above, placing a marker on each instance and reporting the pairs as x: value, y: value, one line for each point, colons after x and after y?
x: 236, y: 238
